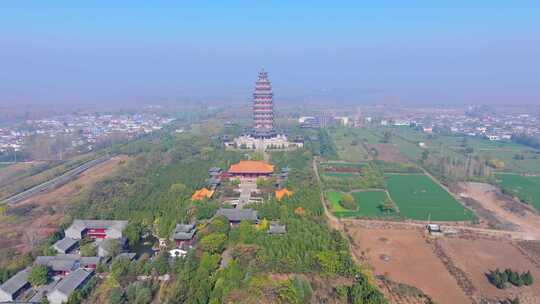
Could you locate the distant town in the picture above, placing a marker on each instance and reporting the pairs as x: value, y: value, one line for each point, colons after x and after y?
x: 79, y: 132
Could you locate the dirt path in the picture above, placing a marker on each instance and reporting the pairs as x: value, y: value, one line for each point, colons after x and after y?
x: 485, y: 194
x: 332, y: 221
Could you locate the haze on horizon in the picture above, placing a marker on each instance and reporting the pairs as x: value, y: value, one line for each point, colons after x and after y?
x: 152, y: 52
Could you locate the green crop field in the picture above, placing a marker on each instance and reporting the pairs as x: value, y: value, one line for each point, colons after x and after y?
x: 368, y: 204
x: 526, y: 188
x: 418, y: 197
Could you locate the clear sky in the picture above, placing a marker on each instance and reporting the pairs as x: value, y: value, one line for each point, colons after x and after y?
x: 104, y: 52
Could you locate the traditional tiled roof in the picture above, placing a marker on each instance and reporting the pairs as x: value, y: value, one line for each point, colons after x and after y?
x: 43, y: 291
x: 214, y: 170
x: 282, y: 192
x: 114, y: 228
x: 275, y: 228
x: 66, y: 262
x: 237, y: 215
x: 65, y: 244
x: 14, y: 284
x: 251, y: 166
x: 69, y: 284
x: 183, y: 232
x: 126, y: 255
x: 202, y: 194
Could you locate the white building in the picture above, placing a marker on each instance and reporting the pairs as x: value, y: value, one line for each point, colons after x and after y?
x: 277, y: 142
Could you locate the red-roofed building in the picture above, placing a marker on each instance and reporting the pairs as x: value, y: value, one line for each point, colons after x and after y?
x: 251, y: 169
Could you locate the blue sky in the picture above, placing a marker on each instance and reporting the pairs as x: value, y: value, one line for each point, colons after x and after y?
x: 124, y: 52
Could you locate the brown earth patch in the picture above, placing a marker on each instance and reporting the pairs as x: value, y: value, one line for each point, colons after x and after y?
x: 478, y: 257
x: 33, y: 219
x: 388, y: 153
x: 404, y: 256
x: 505, y: 209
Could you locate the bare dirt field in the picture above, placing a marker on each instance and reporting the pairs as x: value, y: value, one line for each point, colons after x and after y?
x: 388, y: 153
x: 404, y: 256
x: 477, y: 257
x: 489, y: 197
x: 35, y: 218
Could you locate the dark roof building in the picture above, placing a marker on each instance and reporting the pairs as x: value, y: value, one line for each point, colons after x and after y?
x: 65, y: 245
x: 14, y: 286
x: 68, y: 285
x: 183, y: 234
x: 97, y: 229
x: 65, y: 263
x: 214, y: 170
x: 238, y: 215
x: 276, y: 228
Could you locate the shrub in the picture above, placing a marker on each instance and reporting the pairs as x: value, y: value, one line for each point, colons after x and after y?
x: 347, y: 202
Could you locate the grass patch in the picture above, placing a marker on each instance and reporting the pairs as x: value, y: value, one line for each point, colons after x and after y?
x: 526, y: 188
x: 418, y: 197
x: 368, y: 204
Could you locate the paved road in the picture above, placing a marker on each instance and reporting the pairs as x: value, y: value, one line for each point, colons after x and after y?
x: 55, y: 182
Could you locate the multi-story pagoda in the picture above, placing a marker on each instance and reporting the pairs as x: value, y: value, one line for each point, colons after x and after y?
x: 263, y: 107
x: 263, y: 135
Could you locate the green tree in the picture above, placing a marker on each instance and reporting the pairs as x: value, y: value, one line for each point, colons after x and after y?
x: 178, y: 189
x: 387, y: 206
x: 88, y: 250
x: 527, y: 278
x: 116, y: 296
x: 347, y: 202
x: 286, y: 293
x: 213, y: 243
x: 133, y: 234
x: 220, y: 225
x: 39, y: 275
x: 112, y: 247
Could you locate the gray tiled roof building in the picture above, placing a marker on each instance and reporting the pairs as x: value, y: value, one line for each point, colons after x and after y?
x: 65, y: 245
x: 237, y: 215
x: 14, y: 286
x: 68, y: 285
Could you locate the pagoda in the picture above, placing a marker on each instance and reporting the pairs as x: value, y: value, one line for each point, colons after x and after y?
x: 263, y: 107
x: 263, y: 135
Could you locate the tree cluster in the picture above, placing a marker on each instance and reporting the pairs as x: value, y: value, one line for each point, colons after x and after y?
x: 501, y: 278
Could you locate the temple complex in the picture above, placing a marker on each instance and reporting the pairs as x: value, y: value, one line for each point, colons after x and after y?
x: 263, y: 135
